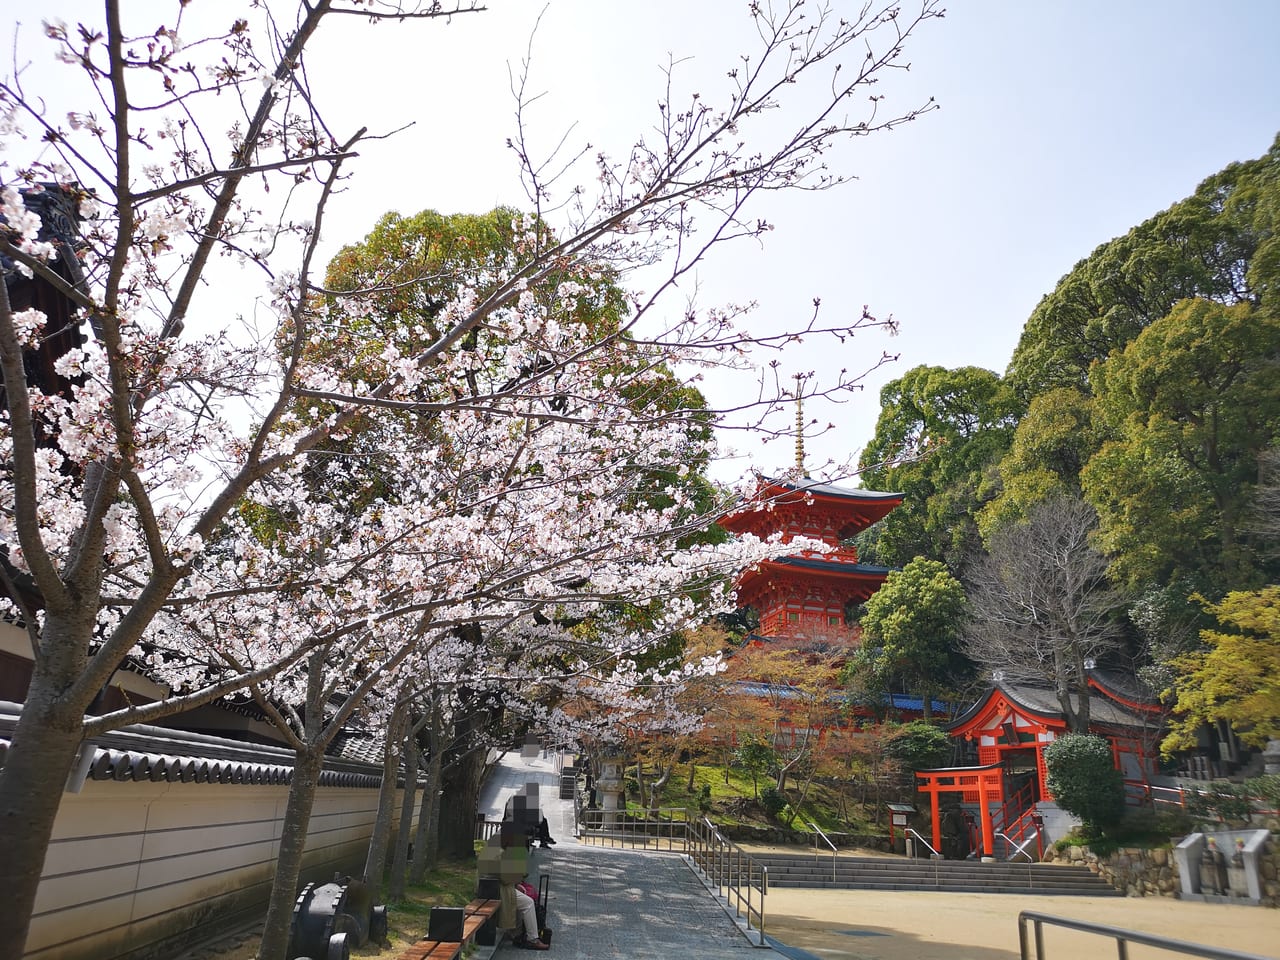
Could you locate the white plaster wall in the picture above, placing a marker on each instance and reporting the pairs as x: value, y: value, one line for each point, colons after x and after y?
x: 134, y: 866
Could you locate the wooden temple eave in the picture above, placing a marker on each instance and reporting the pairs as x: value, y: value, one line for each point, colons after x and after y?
x: 773, y: 577
x: 773, y: 499
x: 1139, y: 707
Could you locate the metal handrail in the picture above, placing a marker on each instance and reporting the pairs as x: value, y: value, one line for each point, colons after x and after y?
x: 1122, y: 937
x: 928, y: 846
x: 743, y: 880
x: 827, y: 841
x: 1019, y: 848
x: 662, y: 829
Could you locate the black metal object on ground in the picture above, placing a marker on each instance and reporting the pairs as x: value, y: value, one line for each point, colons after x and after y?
x: 329, y: 919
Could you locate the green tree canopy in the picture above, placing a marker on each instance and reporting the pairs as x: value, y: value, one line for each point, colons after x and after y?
x: 1194, y: 402
x: 910, y: 628
x: 918, y: 745
x: 1053, y: 441
x: 1236, y: 677
x: 1220, y: 244
x: 939, y: 433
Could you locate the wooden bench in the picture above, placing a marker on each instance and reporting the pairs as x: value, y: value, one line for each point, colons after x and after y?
x: 476, y: 914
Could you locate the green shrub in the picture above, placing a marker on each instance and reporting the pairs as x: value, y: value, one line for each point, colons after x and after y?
x: 1139, y: 828
x: 1266, y: 788
x: 773, y: 801
x: 1220, y: 801
x: 919, y: 745
x: 755, y: 757
x: 1084, y: 781
x: 704, y: 798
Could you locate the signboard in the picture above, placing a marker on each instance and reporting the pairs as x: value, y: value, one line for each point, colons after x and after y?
x: 899, y: 819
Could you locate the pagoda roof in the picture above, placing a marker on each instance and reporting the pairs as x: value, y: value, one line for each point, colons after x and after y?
x: 771, y: 490
x: 831, y: 566
x: 819, y: 488
x: 811, y: 567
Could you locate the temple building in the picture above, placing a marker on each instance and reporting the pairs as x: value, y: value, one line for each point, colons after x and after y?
x: 805, y: 597
x: 1005, y: 795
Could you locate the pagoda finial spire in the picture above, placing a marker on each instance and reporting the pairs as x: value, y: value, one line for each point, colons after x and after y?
x: 799, y: 427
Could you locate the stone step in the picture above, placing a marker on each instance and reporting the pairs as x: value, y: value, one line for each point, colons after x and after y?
x: 888, y: 873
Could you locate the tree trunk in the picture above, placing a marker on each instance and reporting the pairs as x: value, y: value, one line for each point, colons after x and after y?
x: 804, y: 795
x: 426, y: 845
x: 1069, y: 678
x: 1083, y: 713
x: 463, y: 769
x: 400, y: 862
x: 457, y: 813
x: 307, y: 763
x: 431, y: 816
x: 376, y: 858
x: 420, y: 862
x: 641, y: 786
x: 655, y: 787
x: 693, y: 770
x: 36, y: 766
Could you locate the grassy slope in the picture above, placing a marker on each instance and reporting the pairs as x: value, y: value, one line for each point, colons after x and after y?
x: 733, y: 802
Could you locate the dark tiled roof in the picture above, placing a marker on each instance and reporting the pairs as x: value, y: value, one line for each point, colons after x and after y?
x: 813, y: 563
x: 809, y: 485
x: 1043, y: 702
x: 898, y: 701
x: 151, y: 753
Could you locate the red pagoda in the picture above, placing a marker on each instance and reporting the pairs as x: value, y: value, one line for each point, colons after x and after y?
x: 804, y: 597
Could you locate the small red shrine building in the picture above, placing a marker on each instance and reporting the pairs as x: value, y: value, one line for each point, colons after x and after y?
x: 1008, y: 729
x: 804, y: 596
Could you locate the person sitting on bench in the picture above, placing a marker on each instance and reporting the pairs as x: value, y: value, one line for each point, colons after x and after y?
x: 513, y: 872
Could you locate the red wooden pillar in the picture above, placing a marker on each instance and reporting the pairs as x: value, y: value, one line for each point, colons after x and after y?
x: 986, y: 783
x: 937, y: 825
x: 987, y: 795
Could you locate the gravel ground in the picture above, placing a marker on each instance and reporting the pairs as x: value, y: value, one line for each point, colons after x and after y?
x: 875, y: 925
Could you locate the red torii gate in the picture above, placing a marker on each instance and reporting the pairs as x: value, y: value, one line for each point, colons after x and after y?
x: 980, y: 785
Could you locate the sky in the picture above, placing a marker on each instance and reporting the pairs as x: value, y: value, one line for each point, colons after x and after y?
x: 1063, y: 123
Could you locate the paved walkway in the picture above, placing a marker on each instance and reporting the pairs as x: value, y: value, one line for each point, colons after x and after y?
x: 605, y: 903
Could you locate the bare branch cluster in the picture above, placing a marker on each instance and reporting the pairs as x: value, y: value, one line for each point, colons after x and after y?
x: 1042, y: 610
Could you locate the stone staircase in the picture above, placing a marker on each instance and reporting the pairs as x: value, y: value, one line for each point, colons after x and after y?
x: 946, y: 876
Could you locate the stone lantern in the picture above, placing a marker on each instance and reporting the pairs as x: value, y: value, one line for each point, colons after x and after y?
x: 609, y: 785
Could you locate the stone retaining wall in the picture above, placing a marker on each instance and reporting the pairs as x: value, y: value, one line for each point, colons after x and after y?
x: 1152, y: 872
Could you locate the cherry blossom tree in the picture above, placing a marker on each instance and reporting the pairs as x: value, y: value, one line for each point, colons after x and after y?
x: 132, y: 505
x: 533, y: 503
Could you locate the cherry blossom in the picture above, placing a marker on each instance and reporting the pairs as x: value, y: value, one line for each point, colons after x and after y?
x: 244, y: 483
